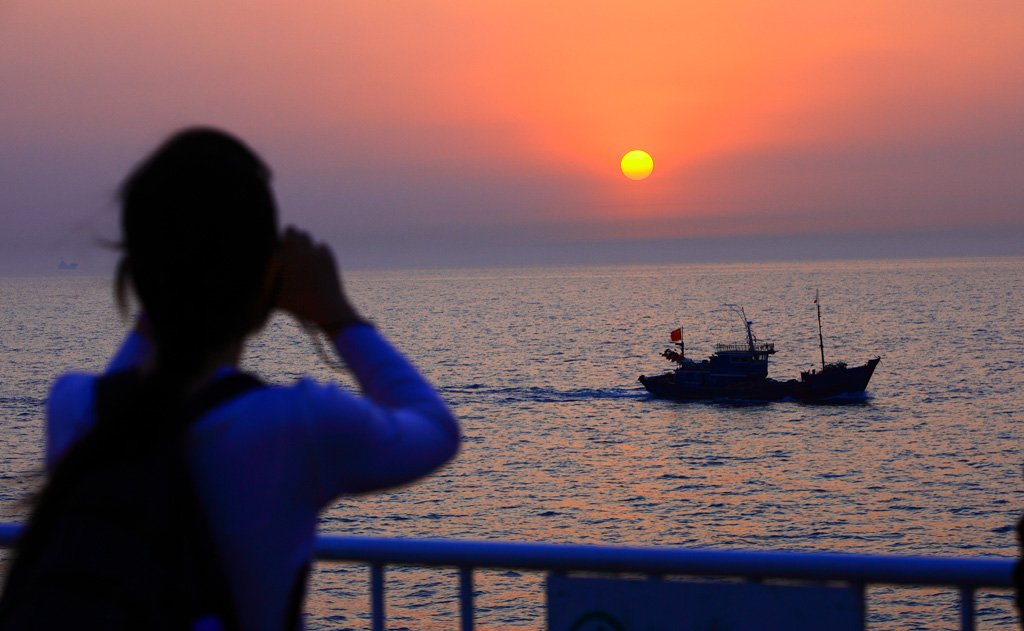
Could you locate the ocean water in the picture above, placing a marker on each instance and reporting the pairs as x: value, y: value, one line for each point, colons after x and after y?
x: 562, y: 444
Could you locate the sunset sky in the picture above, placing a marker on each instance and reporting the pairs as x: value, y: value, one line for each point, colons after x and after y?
x: 468, y: 132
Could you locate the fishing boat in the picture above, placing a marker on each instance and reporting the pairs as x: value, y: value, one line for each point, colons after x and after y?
x: 740, y: 372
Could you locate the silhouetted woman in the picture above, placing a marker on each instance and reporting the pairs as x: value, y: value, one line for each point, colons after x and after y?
x: 204, y: 258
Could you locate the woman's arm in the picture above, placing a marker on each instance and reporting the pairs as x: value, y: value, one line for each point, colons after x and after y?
x: 401, y: 429
x: 398, y: 432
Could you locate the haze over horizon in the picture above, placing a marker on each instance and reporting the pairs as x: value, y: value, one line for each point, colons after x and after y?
x: 458, y: 133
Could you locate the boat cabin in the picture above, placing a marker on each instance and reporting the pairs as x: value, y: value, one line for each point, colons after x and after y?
x: 730, y: 364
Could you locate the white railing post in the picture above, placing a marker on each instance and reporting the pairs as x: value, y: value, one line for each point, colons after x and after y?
x: 377, y: 596
x: 466, y: 597
x: 966, y: 608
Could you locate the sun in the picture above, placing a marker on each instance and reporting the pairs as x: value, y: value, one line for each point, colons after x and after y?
x: 636, y: 165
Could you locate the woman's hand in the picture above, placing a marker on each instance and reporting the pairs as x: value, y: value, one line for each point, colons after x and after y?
x: 309, y: 285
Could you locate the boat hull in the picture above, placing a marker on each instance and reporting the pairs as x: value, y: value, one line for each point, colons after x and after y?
x: 811, y: 387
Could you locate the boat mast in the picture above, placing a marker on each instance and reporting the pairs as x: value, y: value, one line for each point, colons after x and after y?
x: 750, y: 335
x: 746, y: 324
x: 821, y: 340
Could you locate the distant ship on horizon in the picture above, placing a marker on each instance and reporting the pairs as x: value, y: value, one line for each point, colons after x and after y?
x: 64, y: 265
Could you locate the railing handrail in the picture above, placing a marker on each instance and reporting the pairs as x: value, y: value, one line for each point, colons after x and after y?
x: 972, y: 572
x: 965, y: 572
x: 743, y: 347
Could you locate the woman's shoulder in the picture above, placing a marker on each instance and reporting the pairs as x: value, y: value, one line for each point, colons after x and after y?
x: 71, y: 396
x: 300, y: 406
x: 68, y: 412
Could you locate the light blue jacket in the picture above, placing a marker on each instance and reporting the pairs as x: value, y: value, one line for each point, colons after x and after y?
x: 267, y: 462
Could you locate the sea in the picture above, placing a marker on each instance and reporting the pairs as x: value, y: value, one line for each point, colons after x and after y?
x: 562, y: 444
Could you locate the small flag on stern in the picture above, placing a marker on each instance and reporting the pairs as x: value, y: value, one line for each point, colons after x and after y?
x: 677, y: 335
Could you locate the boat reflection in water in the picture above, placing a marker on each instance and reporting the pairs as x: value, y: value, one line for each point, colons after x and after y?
x: 740, y: 372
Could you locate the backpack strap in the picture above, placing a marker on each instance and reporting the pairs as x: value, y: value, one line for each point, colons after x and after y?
x: 220, y: 391
x: 210, y: 590
x: 112, y: 388
x: 204, y: 582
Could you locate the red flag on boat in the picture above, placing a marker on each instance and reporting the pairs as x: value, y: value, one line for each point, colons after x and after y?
x: 677, y: 335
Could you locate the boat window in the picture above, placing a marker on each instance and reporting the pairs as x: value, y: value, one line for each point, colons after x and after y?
x: 740, y: 359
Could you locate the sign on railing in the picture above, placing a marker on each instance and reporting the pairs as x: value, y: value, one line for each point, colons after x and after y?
x: 606, y: 604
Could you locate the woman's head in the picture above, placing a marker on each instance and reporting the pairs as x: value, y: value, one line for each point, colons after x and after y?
x: 199, y: 230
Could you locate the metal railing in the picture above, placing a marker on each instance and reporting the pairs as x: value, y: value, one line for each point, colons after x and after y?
x: 759, y: 347
x: 965, y: 574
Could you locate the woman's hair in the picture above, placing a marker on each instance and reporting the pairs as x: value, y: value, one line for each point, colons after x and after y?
x: 199, y: 229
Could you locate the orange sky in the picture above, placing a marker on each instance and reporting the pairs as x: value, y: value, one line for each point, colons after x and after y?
x: 472, y: 121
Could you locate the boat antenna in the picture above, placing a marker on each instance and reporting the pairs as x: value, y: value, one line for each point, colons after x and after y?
x: 821, y: 340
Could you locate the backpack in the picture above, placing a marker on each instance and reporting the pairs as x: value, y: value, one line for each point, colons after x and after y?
x: 119, y: 538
